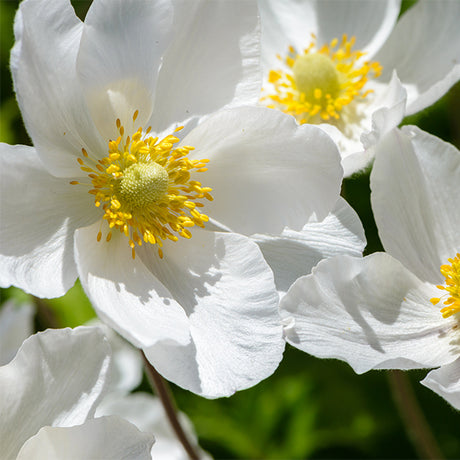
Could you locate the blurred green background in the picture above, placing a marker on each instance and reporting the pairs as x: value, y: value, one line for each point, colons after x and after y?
x: 309, y: 408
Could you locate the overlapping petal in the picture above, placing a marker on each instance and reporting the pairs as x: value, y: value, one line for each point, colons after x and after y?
x: 46, y: 84
x: 43, y: 387
x: 45, y: 211
x: 370, y: 312
x: 415, y: 189
x: 266, y: 171
x: 294, y: 253
x: 388, y: 109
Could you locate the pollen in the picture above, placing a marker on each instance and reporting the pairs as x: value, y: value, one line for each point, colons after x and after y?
x: 318, y: 85
x: 451, y: 299
x: 144, y: 188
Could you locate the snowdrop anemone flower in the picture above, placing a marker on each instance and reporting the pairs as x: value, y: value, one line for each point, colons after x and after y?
x: 346, y: 66
x: 400, y: 309
x: 159, y: 237
x: 50, y: 391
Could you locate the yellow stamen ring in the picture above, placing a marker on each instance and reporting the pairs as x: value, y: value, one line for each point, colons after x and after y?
x: 320, y: 83
x: 452, y: 285
x: 145, y: 189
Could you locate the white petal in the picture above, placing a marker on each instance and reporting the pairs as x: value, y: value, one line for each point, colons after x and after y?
x: 120, y: 55
x: 445, y: 381
x: 424, y: 48
x: 46, y: 84
x: 147, y: 413
x: 16, y: 322
x: 266, y: 171
x: 370, y: 312
x: 227, y: 290
x: 388, y: 111
x: 370, y: 22
x: 285, y: 23
x: 56, y: 379
x: 213, y: 61
x: 125, y: 294
x: 294, y: 254
x: 39, y: 216
x: 101, y: 438
x: 415, y: 199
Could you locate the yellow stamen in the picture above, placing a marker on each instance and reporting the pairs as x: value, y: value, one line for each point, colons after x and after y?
x: 452, y: 285
x: 144, y: 186
x: 319, y: 83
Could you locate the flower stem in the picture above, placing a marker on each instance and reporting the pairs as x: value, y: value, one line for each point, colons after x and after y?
x: 414, y: 421
x: 162, y: 390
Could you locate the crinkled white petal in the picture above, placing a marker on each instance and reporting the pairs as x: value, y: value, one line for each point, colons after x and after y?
x: 49, y: 94
x: 119, y: 59
x: 101, y: 438
x: 148, y: 414
x: 228, y: 292
x: 124, y: 292
x: 266, y: 171
x: 212, y: 62
x: 387, y: 109
x: 370, y: 312
x: 293, y: 254
x: 424, y: 48
x: 56, y: 379
x: 40, y: 214
x: 16, y: 322
x: 416, y: 200
x: 445, y: 381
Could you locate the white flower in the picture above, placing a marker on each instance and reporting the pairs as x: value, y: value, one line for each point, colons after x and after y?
x: 50, y: 391
x: 360, y: 73
x: 203, y: 308
x: 401, y: 309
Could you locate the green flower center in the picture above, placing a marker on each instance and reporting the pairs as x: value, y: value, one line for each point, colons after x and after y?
x: 313, y: 72
x: 143, y: 184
